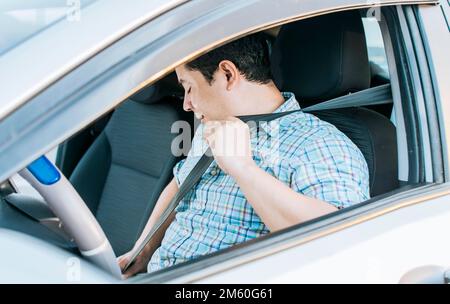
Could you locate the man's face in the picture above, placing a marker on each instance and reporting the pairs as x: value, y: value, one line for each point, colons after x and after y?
x: 207, y: 101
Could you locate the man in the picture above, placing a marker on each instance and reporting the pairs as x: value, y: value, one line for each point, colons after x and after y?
x: 250, y: 189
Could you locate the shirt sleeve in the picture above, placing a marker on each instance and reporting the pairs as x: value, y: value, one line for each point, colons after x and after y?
x: 331, y: 168
x: 176, y: 171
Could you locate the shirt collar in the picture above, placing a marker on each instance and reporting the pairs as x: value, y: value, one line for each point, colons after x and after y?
x: 290, y: 104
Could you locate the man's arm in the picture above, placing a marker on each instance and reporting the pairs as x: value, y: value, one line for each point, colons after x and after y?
x: 142, y: 259
x: 276, y: 204
x: 163, y: 201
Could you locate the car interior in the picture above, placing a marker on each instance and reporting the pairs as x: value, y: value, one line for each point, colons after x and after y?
x: 120, y: 163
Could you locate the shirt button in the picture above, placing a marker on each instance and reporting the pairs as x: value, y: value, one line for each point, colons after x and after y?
x: 213, y: 172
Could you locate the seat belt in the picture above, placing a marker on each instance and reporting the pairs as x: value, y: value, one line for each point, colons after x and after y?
x: 372, y: 96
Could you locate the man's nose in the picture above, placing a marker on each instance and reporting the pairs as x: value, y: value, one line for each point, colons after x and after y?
x: 187, y: 105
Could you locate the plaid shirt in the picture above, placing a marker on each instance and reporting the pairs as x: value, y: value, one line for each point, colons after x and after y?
x: 308, y: 154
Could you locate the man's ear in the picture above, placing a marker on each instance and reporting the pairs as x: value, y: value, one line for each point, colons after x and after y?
x: 231, y: 73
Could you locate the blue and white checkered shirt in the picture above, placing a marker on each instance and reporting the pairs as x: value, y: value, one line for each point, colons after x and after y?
x: 310, y: 155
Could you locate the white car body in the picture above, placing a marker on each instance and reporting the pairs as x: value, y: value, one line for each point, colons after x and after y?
x: 378, y: 243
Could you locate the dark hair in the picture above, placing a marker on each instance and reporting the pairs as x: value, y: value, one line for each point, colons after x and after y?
x: 250, y: 54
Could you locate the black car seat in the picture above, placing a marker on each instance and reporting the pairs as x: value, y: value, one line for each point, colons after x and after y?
x: 325, y: 57
x: 122, y: 174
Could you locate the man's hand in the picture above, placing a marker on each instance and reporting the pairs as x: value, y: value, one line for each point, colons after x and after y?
x: 229, y: 141
x: 139, y: 265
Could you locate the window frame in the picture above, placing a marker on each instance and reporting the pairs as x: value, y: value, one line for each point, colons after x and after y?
x: 417, y: 190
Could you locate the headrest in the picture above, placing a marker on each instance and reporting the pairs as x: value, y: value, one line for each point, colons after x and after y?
x: 321, y: 58
x: 167, y: 86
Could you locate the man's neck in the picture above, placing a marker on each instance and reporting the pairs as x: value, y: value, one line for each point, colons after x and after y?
x: 259, y: 99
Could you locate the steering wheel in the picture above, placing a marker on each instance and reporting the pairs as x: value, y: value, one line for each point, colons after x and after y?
x: 66, y: 203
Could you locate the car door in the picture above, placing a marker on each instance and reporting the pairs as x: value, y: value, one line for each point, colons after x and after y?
x: 89, y: 79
